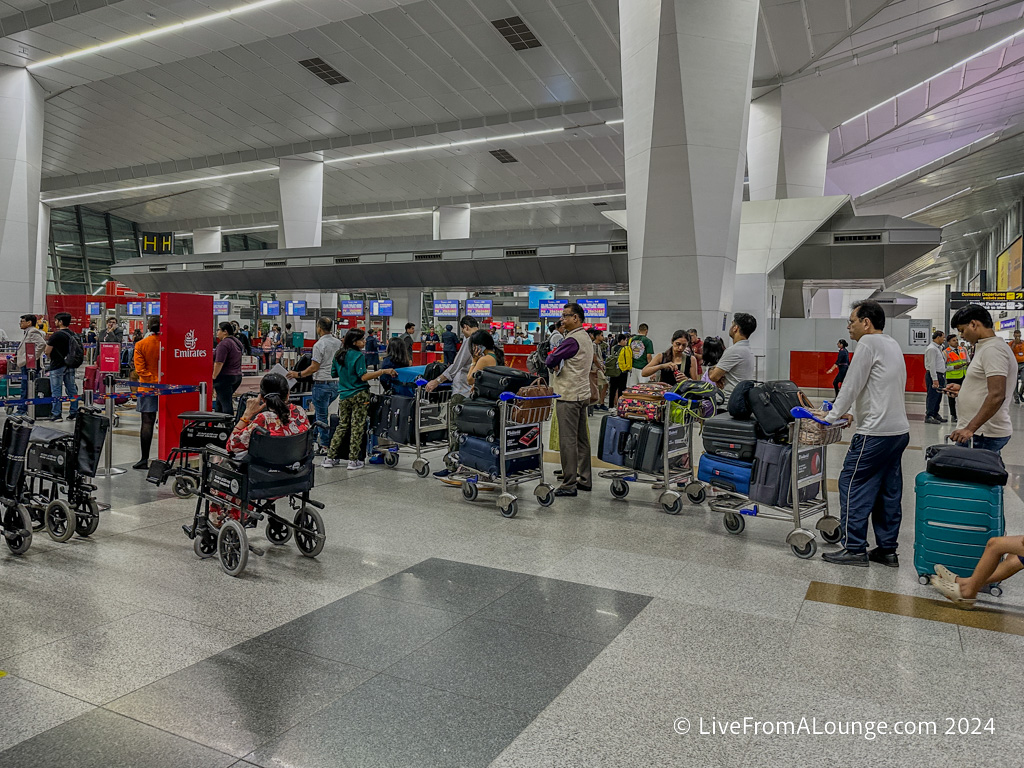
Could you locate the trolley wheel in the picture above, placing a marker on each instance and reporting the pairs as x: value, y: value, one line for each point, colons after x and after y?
x: 924, y: 578
x: 205, y: 544
x: 17, y: 518
x: 696, y: 495
x: 278, y: 532
x: 831, y: 538
x: 451, y: 461
x: 117, y: 421
x: 37, y: 516
x: 88, y: 519
x: 511, y: 510
x: 309, y: 532
x: 391, y: 459
x: 469, y: 490
x: 620, y: 489
x: 232, y: 547
x: 185, y: 487
x: 734, y: 523
x: 674, y: 507
x: 423, y: 469
x: 995, y: 591
x: 545, y: 495
x: 9, y: 410
x: 60, y: 521
x: 806, y: 551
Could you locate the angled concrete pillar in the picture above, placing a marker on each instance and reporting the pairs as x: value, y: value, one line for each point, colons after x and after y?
x: 451, y: 222
x: 41, y: 263
x: 207, y: 240
x: 787, y: 149
x: 21, y: 158
x: 686, y: 74
x: 301, y: 186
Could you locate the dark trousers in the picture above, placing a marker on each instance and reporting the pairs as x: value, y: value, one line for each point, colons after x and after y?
x: 952, y: 400
x: 449, y: 357
x: 616, y: 386
x: 573, y: 443
x: 871, y: 487
x: 837, y: 381
x: 224, y: 388
x: 934, y: 396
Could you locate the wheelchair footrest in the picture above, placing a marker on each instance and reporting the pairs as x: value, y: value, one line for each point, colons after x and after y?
x: 258, y: 551
x: 158, y: 473
x: 189, y: 531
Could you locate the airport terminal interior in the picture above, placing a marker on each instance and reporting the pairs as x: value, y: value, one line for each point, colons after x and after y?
x: 415, y: 383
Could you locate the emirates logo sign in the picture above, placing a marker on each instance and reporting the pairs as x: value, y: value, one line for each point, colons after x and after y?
x: 190, y: 347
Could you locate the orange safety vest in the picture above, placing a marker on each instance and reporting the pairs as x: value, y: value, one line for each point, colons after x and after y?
x: 1018, y: 351
x: 956, y: 363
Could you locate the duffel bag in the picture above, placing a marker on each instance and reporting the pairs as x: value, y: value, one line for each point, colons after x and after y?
x: 641, y: 407
x: 492, y: 382
x: 969, y: 465
x: 533, y: 411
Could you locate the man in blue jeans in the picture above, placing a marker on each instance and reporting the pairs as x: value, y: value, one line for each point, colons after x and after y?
x: 871, y: 482
x: 984, y: 395
x: 62, y: 369
x: 325, y: 389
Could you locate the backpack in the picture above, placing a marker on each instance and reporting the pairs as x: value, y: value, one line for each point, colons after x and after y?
x: 535, y: 360
x: 739, y: 401
x: 771, y: 404
x: 625, y: 359
x: 637, y: 348
x: 611, y: 366
x: 76, y: 355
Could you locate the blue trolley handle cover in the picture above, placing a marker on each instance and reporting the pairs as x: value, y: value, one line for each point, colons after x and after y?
x: 672, y: 397
x: 506, y: 396
x: 802, y: 413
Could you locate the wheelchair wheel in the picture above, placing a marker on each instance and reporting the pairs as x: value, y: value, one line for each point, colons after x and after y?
x: 232, y: 547
x: 205, y: 544
x: 278, y: 532
x: 87, y: 519
x: 60, y: 521
x: 309, y: 532
x: 17, y: 518
x: 184, y: 487
x: 37, y: 517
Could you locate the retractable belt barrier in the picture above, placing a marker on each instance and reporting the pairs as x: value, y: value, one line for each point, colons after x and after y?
x: 161, y: 389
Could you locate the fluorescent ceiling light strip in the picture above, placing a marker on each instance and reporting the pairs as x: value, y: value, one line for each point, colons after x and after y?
x: 161, y: 184
x: 954, y: 221
x: 380, y: 216
x: 938, y: 202
x: 251, y: 229
x: 936, y: 160
x: 542, y: 202
x: 129, y: 39
x: 1011, y: 176
x: 620, y: 121
x: 992, y: 47
x: 449, y: 145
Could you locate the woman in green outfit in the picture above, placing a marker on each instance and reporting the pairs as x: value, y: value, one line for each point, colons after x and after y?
x: 349, y: 368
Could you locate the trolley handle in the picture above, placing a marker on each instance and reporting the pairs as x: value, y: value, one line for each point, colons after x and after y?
x: 802, y: 413
x: 506, y: 396
x: 673, y: 397
x: 421, y: 382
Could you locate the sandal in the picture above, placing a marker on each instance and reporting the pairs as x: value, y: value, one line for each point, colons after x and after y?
x: 951, y: 591
x: 945, y: 574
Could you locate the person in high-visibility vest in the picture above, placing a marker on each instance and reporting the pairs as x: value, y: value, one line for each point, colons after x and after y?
x: 956, y: 368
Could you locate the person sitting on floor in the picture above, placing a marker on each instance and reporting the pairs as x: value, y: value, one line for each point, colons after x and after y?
x: 991, y: 569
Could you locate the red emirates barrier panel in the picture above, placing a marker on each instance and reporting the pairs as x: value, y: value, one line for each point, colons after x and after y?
x: 807, y: 369
x: 186, y: 359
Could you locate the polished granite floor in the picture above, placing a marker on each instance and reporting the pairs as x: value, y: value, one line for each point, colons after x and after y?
x: 432, y: 631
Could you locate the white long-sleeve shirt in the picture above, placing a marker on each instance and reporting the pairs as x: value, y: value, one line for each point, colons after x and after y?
x: 933, y: 362
x: 874, y: 389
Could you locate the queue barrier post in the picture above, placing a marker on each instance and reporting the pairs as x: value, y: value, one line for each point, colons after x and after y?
x: 202, y: 396
x: 108, y: 469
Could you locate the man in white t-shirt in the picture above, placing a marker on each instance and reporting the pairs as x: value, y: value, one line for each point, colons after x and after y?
x: 325, y: 388
x: 737, y: 363
x: 984, y: 395
x: 871, y: 482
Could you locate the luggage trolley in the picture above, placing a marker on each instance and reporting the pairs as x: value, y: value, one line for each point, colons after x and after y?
x: 677, y: 443
x: 520, y: 436
x: 808, y: 468
x: 428, y: 428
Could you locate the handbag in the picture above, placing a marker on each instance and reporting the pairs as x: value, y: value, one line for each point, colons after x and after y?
x: 969, y: 465
x: 532, y: 411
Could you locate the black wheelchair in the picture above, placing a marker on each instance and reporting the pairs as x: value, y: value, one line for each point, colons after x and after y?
x: 15, y: 522
x: 200, y: 429
x: 58, y: 494
x: 274, y: 468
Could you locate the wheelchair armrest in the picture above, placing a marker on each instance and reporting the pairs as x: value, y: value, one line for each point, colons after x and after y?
x: 320, y: 424
x: 216, y: 450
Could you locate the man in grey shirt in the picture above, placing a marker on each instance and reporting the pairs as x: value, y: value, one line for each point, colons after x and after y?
x: 737, y: 364
x: 458, y: 374
x: 325, y: 388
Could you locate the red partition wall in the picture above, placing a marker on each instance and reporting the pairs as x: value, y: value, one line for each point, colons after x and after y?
x: 807, y: 369
x: 515, y: 355
x: 186, y: 358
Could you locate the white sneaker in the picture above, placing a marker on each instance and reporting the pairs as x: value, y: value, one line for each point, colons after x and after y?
x: 329, y: 463
x: 355, y: 465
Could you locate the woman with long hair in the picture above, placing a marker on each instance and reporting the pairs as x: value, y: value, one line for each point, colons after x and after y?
x: 485, y: 354
x: 675, y: 364
x: 349, y: 368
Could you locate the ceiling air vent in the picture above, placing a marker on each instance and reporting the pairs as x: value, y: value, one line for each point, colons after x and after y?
x: 346, y: 260
x: 324, y: 71
x: 875, y: 237
x: 521, y: 252
x: 516, y: 33
x: 426, y: 257
x: 598, y: 205
x: 162, y: 268
x: 215, y: 265
x: 276, y: 263
x: 620, y: 247
x: 504, y: 156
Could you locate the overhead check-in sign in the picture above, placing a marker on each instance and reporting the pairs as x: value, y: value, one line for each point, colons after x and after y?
x: 156, y: 243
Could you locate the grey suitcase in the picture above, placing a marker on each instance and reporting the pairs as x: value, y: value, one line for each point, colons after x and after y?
x: 771, y: 480
x: 645, y: 445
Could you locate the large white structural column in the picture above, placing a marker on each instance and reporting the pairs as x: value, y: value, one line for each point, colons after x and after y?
x: 21, y: 158
x: 787, y: 149
x: 451, y: 222
x: 41, y: 262
x: 207, y: 240
x: 301, y: 187
x: 686, y: 72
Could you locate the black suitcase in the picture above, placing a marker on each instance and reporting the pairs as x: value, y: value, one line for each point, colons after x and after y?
x: 645, y: 446
x: 729, y: 437
x: 397, y: 424
x: 969, y: 465
x: 43, y: 390
x: 479, y: 418
x: 492, y: 382
x: 771, y: 481
x: 476, y: 453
